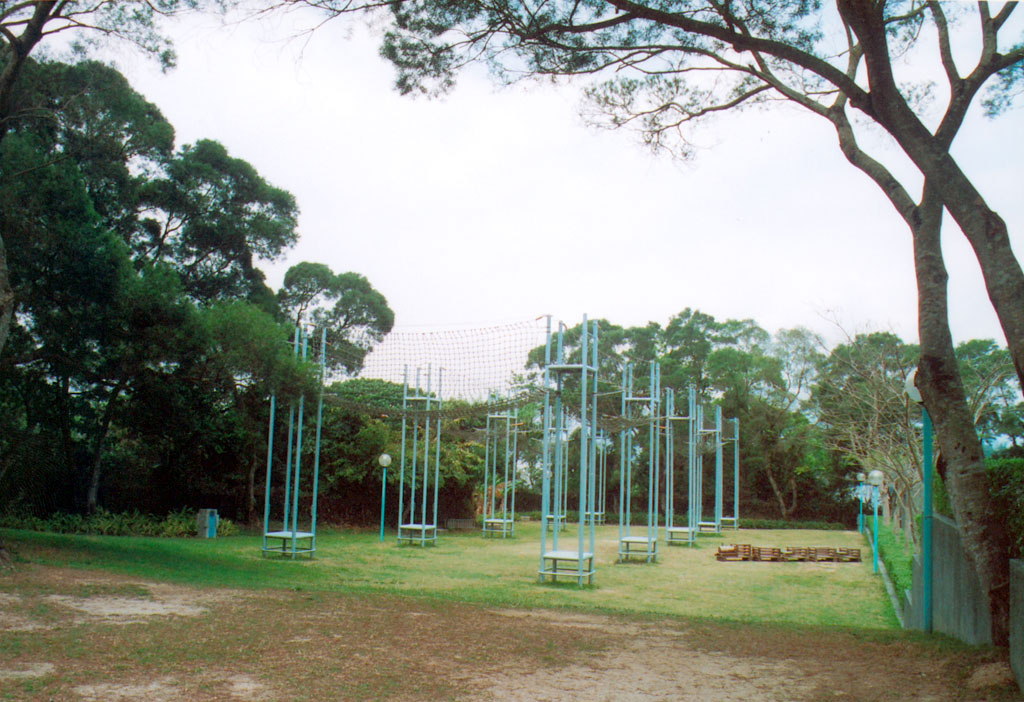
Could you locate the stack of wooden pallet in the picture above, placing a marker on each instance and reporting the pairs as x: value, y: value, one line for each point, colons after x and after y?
x: 746, y: 552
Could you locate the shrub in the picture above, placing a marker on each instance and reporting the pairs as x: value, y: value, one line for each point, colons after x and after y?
x: 103, y: 523
x: 893, y: 551
x: 1006, y: 481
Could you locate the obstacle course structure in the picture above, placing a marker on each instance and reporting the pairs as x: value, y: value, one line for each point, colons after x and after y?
x: 641, y: 543
x: 290, y: 539
x: 501, y: 451
x: 676, y: 533
x: 421, y: 440
x: 558, y: 557
x: 733, y: 520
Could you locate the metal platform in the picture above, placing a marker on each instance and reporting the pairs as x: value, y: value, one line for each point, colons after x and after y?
x: 417, y: 533
x: 638, y: 546
x: 290, y: 542
x: 558, y: 563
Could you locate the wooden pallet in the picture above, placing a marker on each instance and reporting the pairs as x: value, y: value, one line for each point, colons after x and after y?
x: 819, y: 554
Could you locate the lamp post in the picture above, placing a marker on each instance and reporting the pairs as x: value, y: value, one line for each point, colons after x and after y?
x: 384, y: 460
x: 875, y: 478
x: 861, y: 479
x: 910, y: 388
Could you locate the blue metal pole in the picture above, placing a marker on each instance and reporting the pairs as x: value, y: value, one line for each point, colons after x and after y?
x: 401, y: 460
x: 545, y: 504
x: 719, y: 470
x: 383, y: 496
x: 926, y: 524
x: 270, y: 463
x: 736, y: 474
x: 319, y: 424
x: 874, y: 502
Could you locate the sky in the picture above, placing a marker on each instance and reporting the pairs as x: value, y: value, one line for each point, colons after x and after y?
x: 498, y: 204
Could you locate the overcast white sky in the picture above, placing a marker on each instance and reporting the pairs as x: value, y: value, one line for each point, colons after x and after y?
x: 500, y: 204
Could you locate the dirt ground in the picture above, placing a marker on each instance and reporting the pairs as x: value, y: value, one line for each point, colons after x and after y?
x: 90, y: 636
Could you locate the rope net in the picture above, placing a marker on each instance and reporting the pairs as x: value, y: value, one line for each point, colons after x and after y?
x: 473, y: 370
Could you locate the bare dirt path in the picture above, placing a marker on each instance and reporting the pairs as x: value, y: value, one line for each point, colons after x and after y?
x: 84, y: 635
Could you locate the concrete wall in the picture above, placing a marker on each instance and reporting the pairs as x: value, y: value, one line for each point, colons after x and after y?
x: 1017, y: 620
x: 958, y: 605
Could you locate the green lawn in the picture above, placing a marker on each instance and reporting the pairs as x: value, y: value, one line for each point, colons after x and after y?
x: 464, y: 566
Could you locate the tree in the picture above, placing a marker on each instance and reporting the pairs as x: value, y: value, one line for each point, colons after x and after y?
x: 675, y: 64
x: 866, y: 416
x: 109, y: 337
x: 24, y: 25
x: 355, y: 315
x: 209, y: 216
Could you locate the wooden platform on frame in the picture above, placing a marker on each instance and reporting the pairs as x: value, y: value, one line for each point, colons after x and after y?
x: 290, y: 543
x: 638, y: 547
x: 495, y: 526
x: 417, y: 533
x: 679, y: 535
x: 558, y: 563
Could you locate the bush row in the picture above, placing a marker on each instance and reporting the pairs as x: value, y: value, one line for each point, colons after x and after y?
x: 104, y: 523
x: 897, y: 556
x: 640, y: 519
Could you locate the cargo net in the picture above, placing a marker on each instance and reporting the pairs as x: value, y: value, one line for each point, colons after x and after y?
x: 473, y: 370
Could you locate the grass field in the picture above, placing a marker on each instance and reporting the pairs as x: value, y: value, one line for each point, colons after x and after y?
x: 169, y: 620
x: 464, y: 566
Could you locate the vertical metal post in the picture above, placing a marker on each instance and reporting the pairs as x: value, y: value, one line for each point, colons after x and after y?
x: 926, y: 523
x: 426, y: 463
x: 291, y: 438
x: 319, y: 423
x: 383, y: 496
x: 593, y: 430
x: 624, y: 458
x: 670, y: 410
x: 584, y: 448
x: 691, y: 514
x: 270, y: 463
x: 736, y: 472
x: 719, y: 470
x: 545, y: 503
x: 298, y: 455
x: 437, y: 448
x: 874, y: 502
x: 515, y: 459
x: 488, y: 496
x: 652, y: 458
x: 401, y: 462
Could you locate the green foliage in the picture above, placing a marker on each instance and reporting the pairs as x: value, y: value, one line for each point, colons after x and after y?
x: 181, y: 523
x: 1006, y: 481
x: 354, y: 314
x: 896, y: 554
x: 790, y: 524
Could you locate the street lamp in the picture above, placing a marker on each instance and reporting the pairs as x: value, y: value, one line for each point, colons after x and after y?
x: 875, y: 478
x: 384, y: 460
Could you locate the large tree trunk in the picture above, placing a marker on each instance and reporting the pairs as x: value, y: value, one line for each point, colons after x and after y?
x: 984, y: 537
x: 95, y: 470
x: 985, y: 229
x: 17, y: 52
x: 6, y: 297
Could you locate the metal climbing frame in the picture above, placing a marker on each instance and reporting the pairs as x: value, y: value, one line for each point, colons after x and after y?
x: 715, y: 525
x: 643, y: 544
x: 560, y: 559
x: 734, y: 520
x: 290, y: 540
x: 501, y: 448
x: 602, y: 443
x: 676, y: 533
x: 422, y: 409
